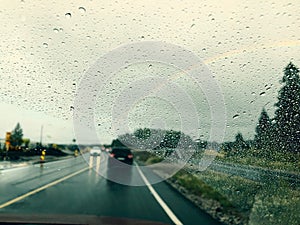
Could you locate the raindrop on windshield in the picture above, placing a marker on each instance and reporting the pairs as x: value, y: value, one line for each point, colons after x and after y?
x: 235, y: 116
x: 262, y: 93
x: 82, y: 9
x: 68, y: 15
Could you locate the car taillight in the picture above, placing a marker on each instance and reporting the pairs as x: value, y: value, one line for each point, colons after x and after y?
x: 112, y: 155
x: 130, y: 156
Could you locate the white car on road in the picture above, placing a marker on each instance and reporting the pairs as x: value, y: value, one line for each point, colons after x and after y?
x: 95, y: 151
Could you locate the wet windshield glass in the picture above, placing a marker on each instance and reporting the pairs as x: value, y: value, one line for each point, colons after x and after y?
x: 179, y: 112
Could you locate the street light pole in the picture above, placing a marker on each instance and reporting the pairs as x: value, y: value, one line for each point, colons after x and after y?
x: 41, y: 135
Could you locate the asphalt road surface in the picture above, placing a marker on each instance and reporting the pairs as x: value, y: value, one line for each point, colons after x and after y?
x: 79, y: 186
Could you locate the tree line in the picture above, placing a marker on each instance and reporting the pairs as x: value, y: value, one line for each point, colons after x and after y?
x: 280, y: 134
x: 157, y: 139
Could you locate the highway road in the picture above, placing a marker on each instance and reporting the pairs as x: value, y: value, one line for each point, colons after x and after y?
x: 78, y: 186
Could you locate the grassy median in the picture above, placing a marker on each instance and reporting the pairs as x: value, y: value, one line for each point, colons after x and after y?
x: 197, y: 187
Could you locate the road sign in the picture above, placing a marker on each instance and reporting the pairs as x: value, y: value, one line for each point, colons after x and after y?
x: 42, y: 158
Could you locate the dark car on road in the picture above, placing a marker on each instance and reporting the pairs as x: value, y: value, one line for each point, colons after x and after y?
x: 121, y: 154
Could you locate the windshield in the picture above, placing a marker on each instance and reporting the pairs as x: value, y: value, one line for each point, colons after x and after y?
x: 174, y: 112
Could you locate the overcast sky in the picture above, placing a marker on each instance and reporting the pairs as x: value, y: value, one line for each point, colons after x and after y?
x: 47, y: 47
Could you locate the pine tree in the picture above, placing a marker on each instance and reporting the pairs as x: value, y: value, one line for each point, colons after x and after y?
x: 240, y: 144
x: 16, y: 136
x: 287, y: 118
x: 142, y: 133
x: 264, y: 133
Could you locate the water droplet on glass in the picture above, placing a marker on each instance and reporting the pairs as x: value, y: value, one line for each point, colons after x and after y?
x: 82, y: 9
x: 235, y: 116
x: 262, y: 93
x: 55, y: 30
x: 45, y: 45
x: 68, y: 15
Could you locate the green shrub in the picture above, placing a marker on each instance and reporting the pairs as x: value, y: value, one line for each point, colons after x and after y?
x: 197, y: 187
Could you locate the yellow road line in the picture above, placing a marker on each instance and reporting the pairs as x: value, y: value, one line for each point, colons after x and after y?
x: 42, y: 188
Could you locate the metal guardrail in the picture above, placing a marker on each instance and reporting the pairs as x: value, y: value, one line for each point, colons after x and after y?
x: 255, y: 173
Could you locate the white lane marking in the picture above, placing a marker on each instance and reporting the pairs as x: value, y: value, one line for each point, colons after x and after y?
x: 158, y: 199
x: 42, y: 188
x: 91, y: 162
x: 98, y: 163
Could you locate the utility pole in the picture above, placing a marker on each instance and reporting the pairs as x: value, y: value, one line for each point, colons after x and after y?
x: 41, y: 136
